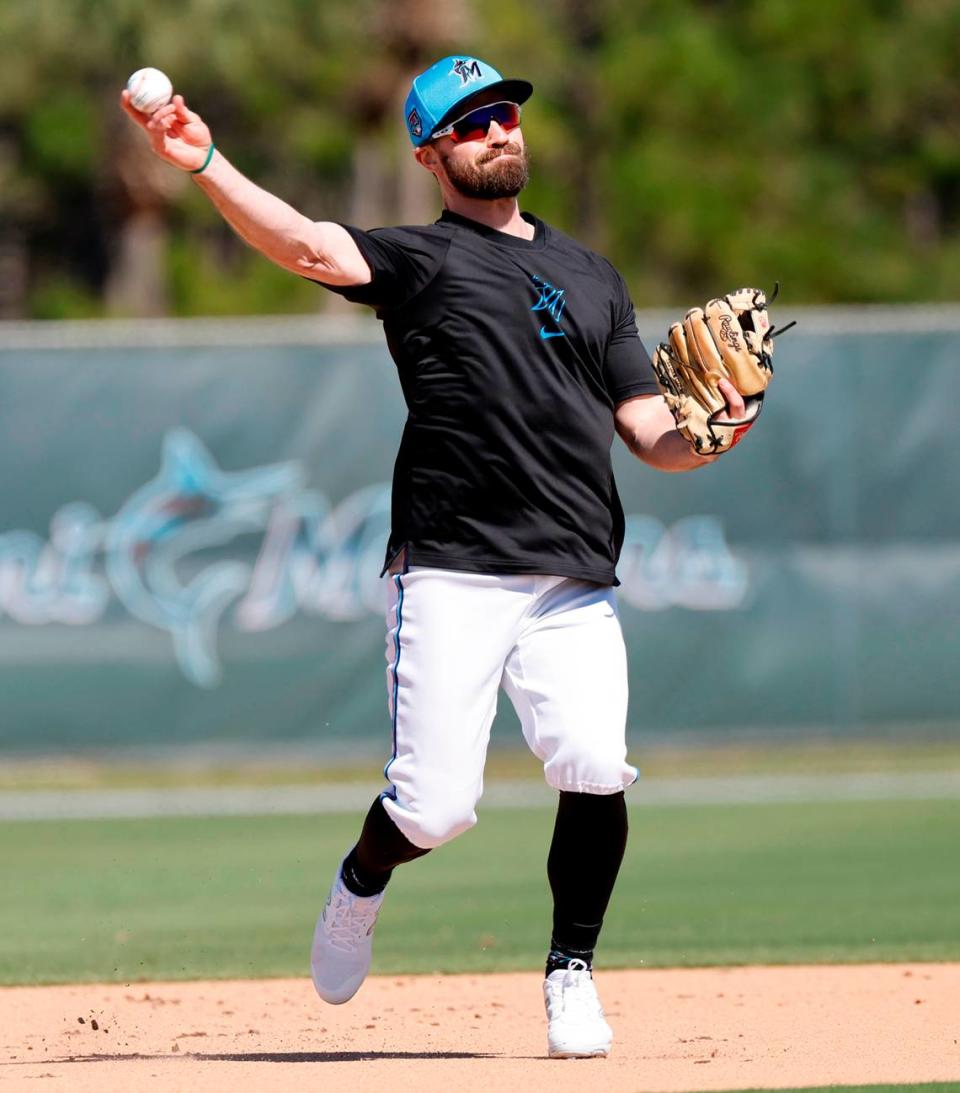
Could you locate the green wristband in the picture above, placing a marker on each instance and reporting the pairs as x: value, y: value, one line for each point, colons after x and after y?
x: 206, y: 162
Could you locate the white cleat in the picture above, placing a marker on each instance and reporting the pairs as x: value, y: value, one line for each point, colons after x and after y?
x: 343, y: 942
x: 576, y: 1026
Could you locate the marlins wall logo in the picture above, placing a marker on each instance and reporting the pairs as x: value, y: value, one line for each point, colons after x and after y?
x: 198, y: 547
x: 468, y: 70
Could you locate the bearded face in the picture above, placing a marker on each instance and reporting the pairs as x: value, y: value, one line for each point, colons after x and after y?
x: 493, y: 173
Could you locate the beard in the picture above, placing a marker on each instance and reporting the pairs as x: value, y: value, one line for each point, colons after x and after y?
x: 505, y: 177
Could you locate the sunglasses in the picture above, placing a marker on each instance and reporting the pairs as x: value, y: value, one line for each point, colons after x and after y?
x: 476, y: 124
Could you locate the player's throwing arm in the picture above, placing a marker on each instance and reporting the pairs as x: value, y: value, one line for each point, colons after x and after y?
x: 322, y: 251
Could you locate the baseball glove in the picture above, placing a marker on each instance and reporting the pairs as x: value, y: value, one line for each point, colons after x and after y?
x: 731, y: 338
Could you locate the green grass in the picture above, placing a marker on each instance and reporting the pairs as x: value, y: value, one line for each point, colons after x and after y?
x: 918, y: 1087
x: 188, y: 898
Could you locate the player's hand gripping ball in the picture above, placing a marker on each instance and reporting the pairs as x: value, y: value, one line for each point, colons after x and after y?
x: 730, y: 339
x: 149, y: 90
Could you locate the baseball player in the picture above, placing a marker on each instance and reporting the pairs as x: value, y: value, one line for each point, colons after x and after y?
x: 519, y: 357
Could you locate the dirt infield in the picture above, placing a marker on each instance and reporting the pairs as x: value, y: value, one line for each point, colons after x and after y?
x: 676, y: 1030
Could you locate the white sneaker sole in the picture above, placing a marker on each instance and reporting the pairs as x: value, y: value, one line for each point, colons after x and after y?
x: 601, y: 1051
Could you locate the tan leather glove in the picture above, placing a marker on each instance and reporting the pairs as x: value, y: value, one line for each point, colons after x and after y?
x: 731, y: 338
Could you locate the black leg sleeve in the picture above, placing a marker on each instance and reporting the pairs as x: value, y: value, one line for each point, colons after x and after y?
x: 589, y: 840
x: 381, y: 847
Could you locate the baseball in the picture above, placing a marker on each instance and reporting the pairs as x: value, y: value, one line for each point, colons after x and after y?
x: 149, y: 90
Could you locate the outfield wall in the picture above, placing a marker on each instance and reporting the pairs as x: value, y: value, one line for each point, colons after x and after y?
x: 193, y: 514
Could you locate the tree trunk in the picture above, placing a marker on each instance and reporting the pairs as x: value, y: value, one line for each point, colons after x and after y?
x: 415, y: 33
x: 137, y: 284
x: 13, y: 273
x: 142, y: 188
x: 585, y: 20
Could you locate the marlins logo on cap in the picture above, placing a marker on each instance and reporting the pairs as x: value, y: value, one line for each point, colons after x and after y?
x: 439, y: 92
x: 468, y: 70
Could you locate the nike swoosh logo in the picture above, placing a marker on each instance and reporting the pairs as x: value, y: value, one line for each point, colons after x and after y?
x: 544, y: 333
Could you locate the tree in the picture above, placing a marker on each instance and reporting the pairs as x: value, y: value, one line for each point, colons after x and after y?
x: 699, y: 143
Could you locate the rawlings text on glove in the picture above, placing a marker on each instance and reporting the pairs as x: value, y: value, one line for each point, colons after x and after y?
x: 731, y: 338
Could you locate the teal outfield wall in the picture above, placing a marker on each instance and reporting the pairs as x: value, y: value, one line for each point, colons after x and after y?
x: 192, y: 520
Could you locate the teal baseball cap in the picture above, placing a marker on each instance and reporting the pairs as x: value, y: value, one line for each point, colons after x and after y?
x: 437, y: 93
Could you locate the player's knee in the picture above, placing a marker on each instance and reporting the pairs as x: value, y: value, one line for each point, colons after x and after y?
x: 430, y: 824
x: 440, y: 825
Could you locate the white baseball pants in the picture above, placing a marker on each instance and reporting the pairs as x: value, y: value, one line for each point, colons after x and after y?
x: 453, y: 639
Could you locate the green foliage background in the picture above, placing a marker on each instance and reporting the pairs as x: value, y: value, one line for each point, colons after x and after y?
x: 699, y: 143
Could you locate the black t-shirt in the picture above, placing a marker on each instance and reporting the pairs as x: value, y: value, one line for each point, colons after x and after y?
x: 512, y: 356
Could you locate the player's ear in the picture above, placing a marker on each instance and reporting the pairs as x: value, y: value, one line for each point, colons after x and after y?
x: 426, y: 156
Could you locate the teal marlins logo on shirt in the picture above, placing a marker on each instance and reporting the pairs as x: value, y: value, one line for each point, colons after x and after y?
x: 552, y: 300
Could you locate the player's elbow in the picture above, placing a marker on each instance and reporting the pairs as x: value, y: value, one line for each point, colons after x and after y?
x: 327, y: 253
x: 318, y: 267
x: 309, y: 256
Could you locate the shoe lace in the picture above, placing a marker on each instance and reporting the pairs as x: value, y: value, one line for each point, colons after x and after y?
x: 579, y: 994
x: 349, y: 919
